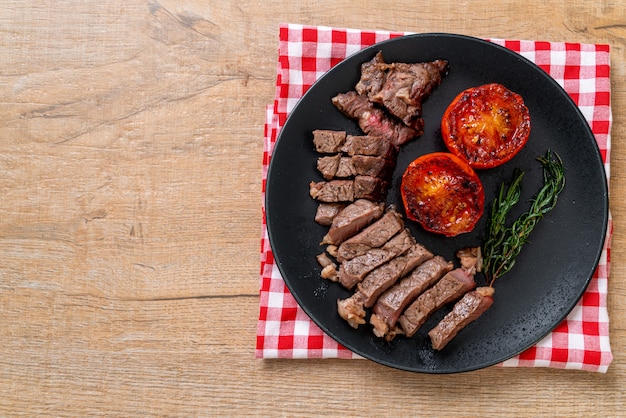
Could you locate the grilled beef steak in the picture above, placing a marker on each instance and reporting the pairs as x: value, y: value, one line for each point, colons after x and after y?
x: 361, y: 187
x: 401, y: 88
x: 332, y: 191
x: 377, y: 281
x: 373, y: 236
x: 326, y: 212
x: 368, y: 187
x: 376, y: 146
x: 327, y: 141
x: 353, y: 271
x: 337, y: 166
x: 368, y: 165
x: 470, y: 307
x: 352, y: 219
x: 450, y: 288
x: 328, y: 166
x: 373, y: 286
x: 373, y: 120
x: 392, y: 302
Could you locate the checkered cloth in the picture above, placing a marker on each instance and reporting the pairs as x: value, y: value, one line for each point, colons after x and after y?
x: 581, y: 341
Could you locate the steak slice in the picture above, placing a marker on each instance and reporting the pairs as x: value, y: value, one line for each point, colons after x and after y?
x: 375, y: 235
x: 373, y: 285
x: 377, y: 146
x: 368, y: 187
x: 345, y: 168
x: 326, y: 212
x: 336, y: 166
x: 328, y: 141
x: 328, y: 166
x: 376, y: 281
x: 352, y: 219
x: 401, y: 88
x: 332, y: 191
x: 361, y: 187
x: 450, y: 288
x: 471, y: 306
x: 353, y: 271
x: 368, y: 165
x: 373, y: 120
x: 392, y: 302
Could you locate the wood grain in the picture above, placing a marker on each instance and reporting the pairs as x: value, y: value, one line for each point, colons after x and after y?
x: 130, y: 172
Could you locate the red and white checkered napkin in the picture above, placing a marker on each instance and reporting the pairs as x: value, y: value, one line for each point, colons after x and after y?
x: 581, y: 341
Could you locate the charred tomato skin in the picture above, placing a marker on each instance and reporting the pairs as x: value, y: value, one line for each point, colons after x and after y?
x: 486, y: 125
x: 443, y: 193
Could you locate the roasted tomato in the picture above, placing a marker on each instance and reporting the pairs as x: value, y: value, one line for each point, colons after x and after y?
x: 443, y: 193
x: 486, y: 125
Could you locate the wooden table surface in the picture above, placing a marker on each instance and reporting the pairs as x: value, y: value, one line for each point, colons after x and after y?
x: 130, y: 177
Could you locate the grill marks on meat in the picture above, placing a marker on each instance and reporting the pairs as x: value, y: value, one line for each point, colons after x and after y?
x: 392, y: 302
x: 466, y: 310
x: 375, y: 284
x: 373, y: 120
x: 401, y: 88
x: 449, y: 289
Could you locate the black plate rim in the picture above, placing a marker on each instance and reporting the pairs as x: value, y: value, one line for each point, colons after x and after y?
x: 597, y: 156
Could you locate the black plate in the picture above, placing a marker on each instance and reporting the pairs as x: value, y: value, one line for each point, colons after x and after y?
x: 551, y: 273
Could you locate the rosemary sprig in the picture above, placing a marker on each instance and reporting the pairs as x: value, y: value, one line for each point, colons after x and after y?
x: 496, y: 230
x: 503, y: 245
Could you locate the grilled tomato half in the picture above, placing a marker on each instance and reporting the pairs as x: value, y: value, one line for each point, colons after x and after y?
x: 486, y: 125
x: 443, y: 193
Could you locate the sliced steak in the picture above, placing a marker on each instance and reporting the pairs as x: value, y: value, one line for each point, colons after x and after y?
x: 345, y: 168
x: 392, y: 302
x: 401, y: 88
x: 326, y: 212
x: 373, y: 236
x: 332, y: 191
x: 352, y: 219
x: 368, y: 187
x: 377, y: 281
x: 336, y: 166
x: 327, y: 141
x: 368, y: 165
x: 449, y: 289
x: 373, y: 285
x: 353, y: 271
x: 471, y: 306
x: 361, y: 187
x: 377, y: 146
x: 373, y: 120
x: 328, y: 166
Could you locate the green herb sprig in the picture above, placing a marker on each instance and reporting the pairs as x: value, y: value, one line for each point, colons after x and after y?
x: 503, y: 245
